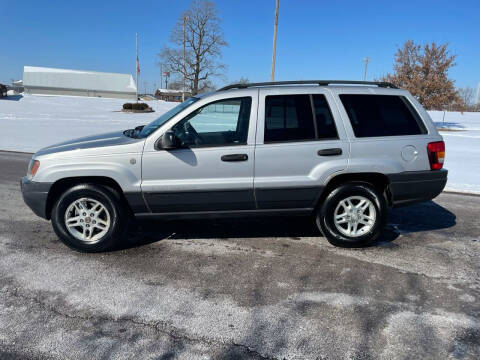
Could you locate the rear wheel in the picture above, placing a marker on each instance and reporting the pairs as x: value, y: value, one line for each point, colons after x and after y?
x: 352, y: 215
x: 90, y: 218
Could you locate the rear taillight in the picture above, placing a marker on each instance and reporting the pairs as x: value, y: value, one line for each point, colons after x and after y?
x: 436, y: 154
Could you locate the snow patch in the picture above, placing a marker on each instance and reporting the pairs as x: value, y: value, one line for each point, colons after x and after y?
x: 467, y: 298
x: 33, y: 122
x: 333, y: 299
x: 439, y: 331
x: 462, y: 155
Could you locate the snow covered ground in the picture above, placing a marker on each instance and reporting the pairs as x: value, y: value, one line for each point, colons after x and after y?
x: 31, y: 122
x: 462, y: 145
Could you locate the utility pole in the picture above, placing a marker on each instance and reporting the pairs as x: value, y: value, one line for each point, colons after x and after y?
x: 366, y: 60
x: 272, y: 76
x: 137, y: 70
x: 476, y: 96
x: 185, y: 18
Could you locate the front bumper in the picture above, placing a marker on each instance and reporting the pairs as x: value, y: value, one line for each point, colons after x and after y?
x: 416, y: 186
x: 35, y: 195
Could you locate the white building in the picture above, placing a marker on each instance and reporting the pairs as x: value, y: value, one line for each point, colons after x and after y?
x: 41, y: 80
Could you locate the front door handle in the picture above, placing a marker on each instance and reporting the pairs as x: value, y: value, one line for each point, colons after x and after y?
x: 235, y: 157
x: 330, y: 152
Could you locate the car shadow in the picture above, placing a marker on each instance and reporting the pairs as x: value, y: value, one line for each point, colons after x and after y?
x: 420, y: 217
x: 12, y: 97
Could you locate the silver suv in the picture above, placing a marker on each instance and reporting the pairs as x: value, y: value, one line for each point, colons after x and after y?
x: 342, y: 151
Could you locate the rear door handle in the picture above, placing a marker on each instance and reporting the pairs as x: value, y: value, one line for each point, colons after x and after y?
x: 330, y: 152
x: 235, y: 157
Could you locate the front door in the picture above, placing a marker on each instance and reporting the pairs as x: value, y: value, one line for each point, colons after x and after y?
x: 213, y: 168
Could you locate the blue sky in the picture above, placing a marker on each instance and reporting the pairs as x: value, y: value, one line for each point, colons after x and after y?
x: 316, y: 39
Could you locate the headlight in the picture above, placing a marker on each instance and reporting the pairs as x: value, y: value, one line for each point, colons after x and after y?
x: 33, y: 168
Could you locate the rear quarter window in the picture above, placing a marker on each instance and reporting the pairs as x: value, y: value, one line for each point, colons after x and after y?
x: 382, y: 115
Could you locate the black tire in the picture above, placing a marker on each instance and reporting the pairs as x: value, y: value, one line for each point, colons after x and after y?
x: 326, y: 212
x: 110, y: 199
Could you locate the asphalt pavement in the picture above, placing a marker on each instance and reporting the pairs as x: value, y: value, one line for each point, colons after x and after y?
x: 265, y: 288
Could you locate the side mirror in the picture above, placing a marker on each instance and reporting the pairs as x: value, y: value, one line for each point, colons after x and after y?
x: 169, y: 141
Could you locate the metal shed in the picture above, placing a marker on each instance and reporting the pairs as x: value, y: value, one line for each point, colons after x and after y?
x: 51, y: 81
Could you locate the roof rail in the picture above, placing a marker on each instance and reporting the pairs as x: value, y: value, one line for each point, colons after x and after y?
x: 310, y: 82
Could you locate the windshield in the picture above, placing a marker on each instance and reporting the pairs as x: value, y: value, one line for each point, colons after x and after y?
x: 155, y: 124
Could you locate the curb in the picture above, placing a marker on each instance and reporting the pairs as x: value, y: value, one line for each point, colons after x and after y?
x: 16, y: 152
x: 461, y: 193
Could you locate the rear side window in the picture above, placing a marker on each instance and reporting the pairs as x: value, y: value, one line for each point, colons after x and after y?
x: 382, y: 115
x: 288, y: 118
x: 298, y: 118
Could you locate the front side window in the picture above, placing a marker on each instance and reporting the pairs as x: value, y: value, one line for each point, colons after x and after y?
x: 154, y: 125
x: 298, y: 118
x: 382, y: 115
x: 223, y: 122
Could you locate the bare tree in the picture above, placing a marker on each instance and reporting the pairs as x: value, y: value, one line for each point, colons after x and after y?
x: 206, y: 86
x: 466, y: 96
x: 175, y: 84
x: 242, y: 80
x: 204, y: 41
x: 423, y: 70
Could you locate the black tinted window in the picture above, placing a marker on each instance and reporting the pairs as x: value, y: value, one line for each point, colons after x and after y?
x: 381, y: 115
x: 288, y: 118
x: 325, y: 124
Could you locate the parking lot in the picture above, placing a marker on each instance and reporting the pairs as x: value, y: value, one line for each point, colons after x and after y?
x: 266, y: 288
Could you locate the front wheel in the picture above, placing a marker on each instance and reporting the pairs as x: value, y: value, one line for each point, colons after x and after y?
x: 352, y: 215
x: 89, y: 218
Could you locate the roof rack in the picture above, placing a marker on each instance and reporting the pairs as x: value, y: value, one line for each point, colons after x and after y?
x: 311, y: 82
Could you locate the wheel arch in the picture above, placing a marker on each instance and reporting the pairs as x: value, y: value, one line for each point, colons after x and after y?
x: 59, y: 187
x: 378, y: 180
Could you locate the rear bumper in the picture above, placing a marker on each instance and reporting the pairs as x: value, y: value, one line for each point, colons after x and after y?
x: 416, y: 186
x: 35, y: 195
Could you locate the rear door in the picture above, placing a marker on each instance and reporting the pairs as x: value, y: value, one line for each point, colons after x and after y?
x: 299, y: 145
